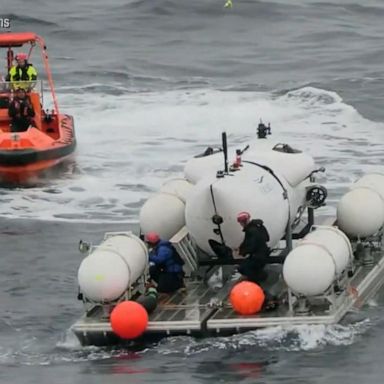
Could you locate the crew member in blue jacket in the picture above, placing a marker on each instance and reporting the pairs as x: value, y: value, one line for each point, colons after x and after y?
x: 165, y: 265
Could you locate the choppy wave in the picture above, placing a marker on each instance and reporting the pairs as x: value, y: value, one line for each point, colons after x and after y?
x: 131, y: 143
x: 358, y: 9
x: 30, y: 20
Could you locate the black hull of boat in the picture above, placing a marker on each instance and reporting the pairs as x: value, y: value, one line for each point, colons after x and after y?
x: 29, y: 156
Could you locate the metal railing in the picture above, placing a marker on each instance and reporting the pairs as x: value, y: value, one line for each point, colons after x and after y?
x: 184, y: 246
x: 8, y: 88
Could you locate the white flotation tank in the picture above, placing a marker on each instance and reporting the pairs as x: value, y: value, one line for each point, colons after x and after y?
x: 178, y: 187
x: 309, y: 270
x: 162, y: 213
x: 107, y: 272
x: 374, y: 181
x: 253, y: 189
x: 360, y: 212
x: 319, y: 258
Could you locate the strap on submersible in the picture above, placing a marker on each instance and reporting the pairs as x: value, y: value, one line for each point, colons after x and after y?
x: 216, y: 218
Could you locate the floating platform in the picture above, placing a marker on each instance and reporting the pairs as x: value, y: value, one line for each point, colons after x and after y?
x: 204, y: 310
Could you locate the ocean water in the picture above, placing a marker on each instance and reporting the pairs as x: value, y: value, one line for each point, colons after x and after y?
x: 150, y: 84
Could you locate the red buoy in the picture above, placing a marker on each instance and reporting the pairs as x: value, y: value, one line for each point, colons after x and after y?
x: 129, y: 319
x: 246, y: 298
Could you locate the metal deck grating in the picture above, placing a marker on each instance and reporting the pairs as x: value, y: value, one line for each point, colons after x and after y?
x: 186, y: 306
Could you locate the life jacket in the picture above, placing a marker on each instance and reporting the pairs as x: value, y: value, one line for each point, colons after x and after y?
x: 18, y: 76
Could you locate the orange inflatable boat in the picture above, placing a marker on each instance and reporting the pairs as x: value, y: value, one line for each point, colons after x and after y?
x: 50, y: 138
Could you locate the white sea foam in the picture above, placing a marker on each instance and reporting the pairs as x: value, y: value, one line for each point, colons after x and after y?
x: 129, y: 144
x: 290, y: 338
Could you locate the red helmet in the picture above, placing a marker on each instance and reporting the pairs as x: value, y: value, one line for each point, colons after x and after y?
x: 243, y: 217
x: 21, y: 56
x: 152, y: 237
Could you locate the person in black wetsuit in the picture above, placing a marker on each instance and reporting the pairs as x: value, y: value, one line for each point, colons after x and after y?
x: 256, y: 248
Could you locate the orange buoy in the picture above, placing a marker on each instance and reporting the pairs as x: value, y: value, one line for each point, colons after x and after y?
x: 129, y: 319
x: 246, y: 298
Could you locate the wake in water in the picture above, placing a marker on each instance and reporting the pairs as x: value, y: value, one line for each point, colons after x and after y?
x: 22, y: 347
x: 292, y: 338
x: 130, y: 144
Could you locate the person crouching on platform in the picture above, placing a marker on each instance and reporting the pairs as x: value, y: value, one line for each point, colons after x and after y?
x: 255, y: 247
x: 165, y: 266
x: 21, y: 112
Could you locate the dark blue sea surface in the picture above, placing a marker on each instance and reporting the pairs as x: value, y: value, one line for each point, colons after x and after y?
x: 151, y: 83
